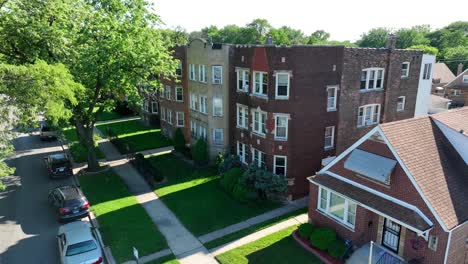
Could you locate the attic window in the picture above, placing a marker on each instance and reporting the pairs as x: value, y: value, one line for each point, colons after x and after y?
x: 465, y: 78
x: 370, y: 165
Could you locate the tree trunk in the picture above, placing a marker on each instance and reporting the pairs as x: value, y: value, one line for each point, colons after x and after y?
x: 85, y: 134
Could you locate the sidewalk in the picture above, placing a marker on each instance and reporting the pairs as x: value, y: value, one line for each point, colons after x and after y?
x: 128, y: 118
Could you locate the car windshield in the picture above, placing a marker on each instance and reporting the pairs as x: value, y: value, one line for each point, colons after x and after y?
x: 60, y: 163
x: 80, y: 248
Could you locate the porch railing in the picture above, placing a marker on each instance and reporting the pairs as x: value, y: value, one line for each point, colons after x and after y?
x: 388, y: 258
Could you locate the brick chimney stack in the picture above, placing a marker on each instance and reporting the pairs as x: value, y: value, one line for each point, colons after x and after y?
x: 391, y: 41
x: 460, y: 69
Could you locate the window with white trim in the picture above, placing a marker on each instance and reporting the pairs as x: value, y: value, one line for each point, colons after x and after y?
x: 372, y: 79
x: 258, y: 158
x: 218, y: 136
x: 192, y: 72
x: 169, y: 116
x: 193, y: 128
x: 401, y: 103
x: 259, y: 121
x: 282, y: 85
x: 465, y: 79
x: 242, y: 116
x: 154, y: 107
x: 329, y: 137
x: 455, y: 92
x: 432, y: 242
x: 280, y: 165
x: 217, y: 74
x: 281, y: 126
x: 243, y: 152
x: 405, y: 67
x: 243, y: 78
x: 179, y: 69
x: 217, y: 106
x: 161, y: 92
x: 337, y: 207
x: 163, y: 113
x: 202, y: 103
x: 145, y: 105
x: 260, y: 83
x: 202, y: 132
x: 193, y: 101
x: 368, y: 115
x: 202, y: 73
x: 180, y: 116
x: 332, y: 92
x: 427, y: 71
x: 167, y: 90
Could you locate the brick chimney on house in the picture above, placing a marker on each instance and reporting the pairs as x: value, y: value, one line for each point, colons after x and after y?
x: 460, y: 69
x: 391, y: 41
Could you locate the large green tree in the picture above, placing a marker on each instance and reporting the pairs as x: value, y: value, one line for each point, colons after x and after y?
x: 374, y: 38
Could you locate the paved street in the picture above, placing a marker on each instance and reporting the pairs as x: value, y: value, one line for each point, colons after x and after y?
x: 27, y: 224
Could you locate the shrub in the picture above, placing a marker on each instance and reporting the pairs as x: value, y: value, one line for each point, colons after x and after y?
x: 305, y: 230
x: 323, y: 238
x: 179, y: 140
x: 230, y: 178
x: 146, y: 169
x: 244, y: 194
x: 337, y: 249
x: 123, y: 108
x: 226, y: 162
x: 268, y: 185
x: 200, y: 152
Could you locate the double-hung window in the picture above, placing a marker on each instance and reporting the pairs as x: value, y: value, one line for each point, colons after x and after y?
x: 217, y: 106
x: 242, y: 152
x: 163, y: 114
x: 368, y: 115
x: 243, y: 77
x: 242, y: 116
x: 193, y: 128
x: 372, y: 79
x: 192, y: 72
x: 282, y: 85
x: 405, y: 67
x: 280, y: 165
x: 179, y: 94
x: 281, y: 126
x: 260, y: 83
x: 258, y: 158
x: 154, y: 107
x: 427, y: 71
x: 337, y: 207
x: 218, y: 136
x: 259, y: 122
x: 332, y: 92
x: 179, y: 69
x: 217, y: 72
x: 455, y: 92
x: 180, y: 116
x: 193, y: 102
x: 202, y: 73
x: 201, y: 132
x: 401, y: 103
x: 145, y: 105
x: 329, y: 137
x: 202, y: 102
x: 169, y: 116
x: 167, y: 90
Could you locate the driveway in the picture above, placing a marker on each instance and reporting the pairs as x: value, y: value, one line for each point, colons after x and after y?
x: 28, y: 225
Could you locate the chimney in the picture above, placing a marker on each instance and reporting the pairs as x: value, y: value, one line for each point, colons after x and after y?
x: 269, y: 41
x: 460, y: 69
x: 391, y: 41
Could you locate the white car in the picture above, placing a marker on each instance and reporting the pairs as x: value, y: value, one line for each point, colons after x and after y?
x: 78, y: 244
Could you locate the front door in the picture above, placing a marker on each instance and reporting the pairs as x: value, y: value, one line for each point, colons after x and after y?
x: 391, y: 235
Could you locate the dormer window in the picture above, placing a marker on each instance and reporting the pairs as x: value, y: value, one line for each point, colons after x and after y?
x: 370, y: 165
x: 372, y: 79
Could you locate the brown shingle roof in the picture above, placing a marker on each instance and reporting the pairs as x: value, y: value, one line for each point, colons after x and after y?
x: 382, y: 205
x: 456, y: 119
x: 458, y: 81
x: 442, y: 73
x: 438, y: 169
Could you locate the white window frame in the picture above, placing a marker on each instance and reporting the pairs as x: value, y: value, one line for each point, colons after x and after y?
x: 154, y: 105
x: 145, y: 105
x: 334, y: 98
x: 432, y: 242
x: 202, y: 73
x: 169, y: 116
x: 179, y: 67
x: 193, y: 128
x: 376, y: 73
x: 178, y: 119
x: 215, y: 80
x: 257, y: 156
x: 242, y: 117
x: 242, y: 152
x: 282, y: 97
x: 202, y: 104
x: 372, y: 108
x: 261, y: 92
x: 215, y: 141
x: 401, y: 105
x: 465, y: 78
x: 177, y: 88
x: 243, y: 75
x: 456, y: 92
x: 202, y: 133
x: 192, y: 72
x: 405, y: 72
x: 260, y: 123
x: 167, y: 90
x: 326, y: 210
x: 427, y: 71
x: 285, y: 164
x: 217, y: 99
x: 193, y: 101
x: 163, y: 113
x: 331, y: 137
x: 276, y: 116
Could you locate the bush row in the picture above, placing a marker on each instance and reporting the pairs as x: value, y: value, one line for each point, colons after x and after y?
x: 323, y: 238
x: 150, y: 173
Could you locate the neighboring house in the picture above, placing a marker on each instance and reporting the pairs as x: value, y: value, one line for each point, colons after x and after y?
x: 438, y: 104
x: 403, y: 185
x: 423, y: 99
x: 442, y: 75
x: 457, y: 89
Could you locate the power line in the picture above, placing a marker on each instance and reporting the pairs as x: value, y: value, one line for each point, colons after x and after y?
x: 453, y: 60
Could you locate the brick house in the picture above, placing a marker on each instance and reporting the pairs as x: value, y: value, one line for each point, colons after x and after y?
x: 441, y: 76
x: 404, y: 186
x: 457, y: 89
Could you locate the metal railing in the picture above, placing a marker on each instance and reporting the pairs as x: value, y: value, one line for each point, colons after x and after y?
x: 388, y: 258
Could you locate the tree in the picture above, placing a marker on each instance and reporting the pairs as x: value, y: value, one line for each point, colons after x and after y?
x: 179, y: 140
x: 456, y: 55
x: 374, y: 38
x: 318, y: 37
x: 177, y: 35
x: 426, y: 49
x: 287, y: 36
x: 453, y: 35
x: 258, y: 29
x: 407, y: 37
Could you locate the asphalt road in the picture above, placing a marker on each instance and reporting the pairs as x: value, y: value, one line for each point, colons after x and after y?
x: 28, y: 225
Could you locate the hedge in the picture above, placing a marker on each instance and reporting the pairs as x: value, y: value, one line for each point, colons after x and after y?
x: 230, y: 178
x: 337, y: 249
x: 323, y: 238
x: 305, y: 230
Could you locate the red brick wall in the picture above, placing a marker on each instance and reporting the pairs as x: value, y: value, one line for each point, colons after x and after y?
x: 458, y: 251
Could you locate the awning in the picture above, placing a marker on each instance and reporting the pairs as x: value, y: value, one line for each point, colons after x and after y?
x: 405, y: 216
x: 370, y: 165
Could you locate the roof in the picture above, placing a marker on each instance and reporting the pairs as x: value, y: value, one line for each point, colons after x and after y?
x: 71, y: 192
x: 76, y: 232
x: 439, y: 99
x: 58, y: 156
x: 442, y: 73
x: 437, y: 168
x: 370, y: 165
x: 458, y: 81
x: 372, y: 201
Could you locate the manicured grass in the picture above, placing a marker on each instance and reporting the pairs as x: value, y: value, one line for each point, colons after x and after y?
x: 136, y: 135
x: 171, y: 259
x: 250, y: 230
x: 123, y: 221
x: 278, y: 248
x: 109, y: 115
x: 195, y: 196
x: 77, y: 150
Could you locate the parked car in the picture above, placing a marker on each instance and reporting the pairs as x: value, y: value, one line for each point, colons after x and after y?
x: 47, y: 133
x: 77, y: 244
x: 70, y: 203
x: 58, y: 165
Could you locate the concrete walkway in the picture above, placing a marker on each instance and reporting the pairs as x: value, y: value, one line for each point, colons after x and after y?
x: 128, y: 118
x: 294, y: 205
x: 303, y: 218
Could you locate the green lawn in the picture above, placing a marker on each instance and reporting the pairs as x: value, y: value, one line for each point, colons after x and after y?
x: 278, y: 248
x: 195, y: 197
x: 108, y: 115
x: 123, y: 221
x: 250, y: 230
x: 136, y: 135
x: 76, y: 148
x: 171, y: 259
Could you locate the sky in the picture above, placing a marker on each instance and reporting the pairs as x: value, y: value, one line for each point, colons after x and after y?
x: 344, y: 20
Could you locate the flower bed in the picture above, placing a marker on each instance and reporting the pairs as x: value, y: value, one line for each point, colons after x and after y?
x: 323, y: 255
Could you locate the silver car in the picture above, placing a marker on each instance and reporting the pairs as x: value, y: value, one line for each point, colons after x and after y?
x: 78, y: 244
